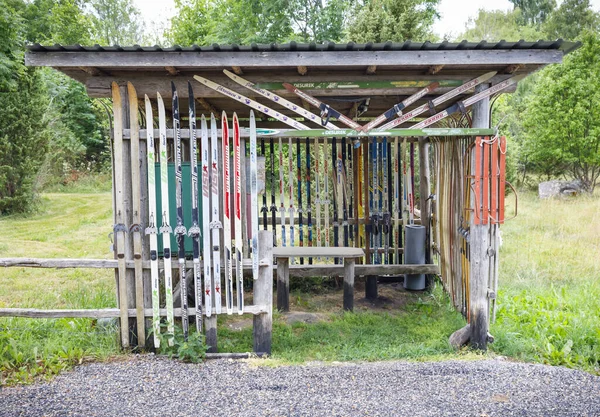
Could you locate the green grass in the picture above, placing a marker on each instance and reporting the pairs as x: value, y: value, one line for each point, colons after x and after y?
x: 549, y: 297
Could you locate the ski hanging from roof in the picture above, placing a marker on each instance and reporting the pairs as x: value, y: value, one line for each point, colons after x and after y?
x: 215, y: 222
x: 165, y: 229
x: 151, y: 230
x: 180, y: 230
x: 251, y: 103
x: 279, y: 100
x: 194, y: 231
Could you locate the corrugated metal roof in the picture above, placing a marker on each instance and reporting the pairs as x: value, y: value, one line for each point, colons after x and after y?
x: 565, y: 46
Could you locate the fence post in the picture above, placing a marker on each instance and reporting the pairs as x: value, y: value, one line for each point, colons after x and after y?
x: 263, y: 294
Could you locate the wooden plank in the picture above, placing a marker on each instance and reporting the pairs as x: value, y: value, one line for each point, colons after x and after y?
x: 330, y: 270
x: 147, y: 60
x: 108, y: 312
x: 283, y: 284
x: 349, y: 264
x: 263, y: 294
x: 317, y: 251
x: 94, y: 72
x: 479, y: 243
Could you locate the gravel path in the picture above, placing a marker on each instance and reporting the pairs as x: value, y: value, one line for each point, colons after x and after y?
x: 150, y: 386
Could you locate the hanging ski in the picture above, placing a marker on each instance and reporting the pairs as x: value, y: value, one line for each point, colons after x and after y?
x: 279, y: 100
x: 136, y: 229
x: 239, y: 243
x: 119, y: 229
x: 227, y: 215
x: 309, y: 235
x: 208, y: 280
x: 251, y: 103
x: 194, y: 230
x: 300, y: 209
x: 180, y: 230
x: 437, y: 101
x: 397, y: 109
x: 215, y: 223
x: 165, y: 230
x: 253, y: 196
x: 151, y: 230
x: 273, y: 206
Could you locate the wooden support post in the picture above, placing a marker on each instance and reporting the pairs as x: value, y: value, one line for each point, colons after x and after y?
x: 263, y: 294
x: 478, y: 307
x: 210, y: 326
x: 349, y: 264
x: 283, y: 284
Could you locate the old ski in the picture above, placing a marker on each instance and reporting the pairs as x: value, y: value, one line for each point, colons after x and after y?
x: 215, y: 221
x: 300, y: 209
x: 227, y: 215
x: 239, y: 243
x: 309, y: 235
x: 264, y: 210
x: 206, y: 185
x: 282, y: 208
x: 273, y: 206
x: 318, y: 191
x: 291, y: 210
x: 253, y: 196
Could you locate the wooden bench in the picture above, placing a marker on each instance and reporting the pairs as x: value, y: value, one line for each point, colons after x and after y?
x: 283, y: 255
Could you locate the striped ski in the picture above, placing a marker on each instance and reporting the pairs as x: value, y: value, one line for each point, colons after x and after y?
x: 326, y: 200
x: 239, y: 244
x: 119, y: 229
x: 194, y: 231
x: 282, y: 208
x: 208, y: 280
x: 264, y: 210
x: 227, y: 215
x: 438, y: 100
x: 291, y: 210
x: 215, y: 221
x: 462, y: 105
x: 253, y: 196
x: 136, y: 229
x: 300, y: 209
x: 279, y: 100
x: 398, y: 108
x: 309, y: 235
x: 273, y: 206
x: 151, y: 230
x: 318, y: 190
x: 180, y: 230
x: 251, y: 103
x: 165, y: 229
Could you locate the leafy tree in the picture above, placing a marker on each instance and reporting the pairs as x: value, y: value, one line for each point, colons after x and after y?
x: 317, y: 20
x: 116, y: 22
x: 562, y: 120
x: 191, y: 23
x: 571, y: 19
x: 497, y: 25
x: 393, y: 20
x: 534, y: 12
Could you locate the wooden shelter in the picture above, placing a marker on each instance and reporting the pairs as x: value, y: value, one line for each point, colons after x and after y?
x: 360, y: 80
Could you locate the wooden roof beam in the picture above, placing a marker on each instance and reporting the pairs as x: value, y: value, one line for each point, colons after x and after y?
x: 302, y: 70
x: 512, y: 68
x: 434, y: 69
x: 371, y: 69
x: 93, y: 71
x: 172, y: 70
x: 237, y: 70
x: 206, y: 105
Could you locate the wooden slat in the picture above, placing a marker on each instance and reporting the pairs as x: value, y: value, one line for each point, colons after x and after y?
x: 291, y: 58
x: 330, y: 270
x: 108, y: 312
x: 316, y: 251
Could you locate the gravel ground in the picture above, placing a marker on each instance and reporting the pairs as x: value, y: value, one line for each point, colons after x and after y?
x: 151, y: 386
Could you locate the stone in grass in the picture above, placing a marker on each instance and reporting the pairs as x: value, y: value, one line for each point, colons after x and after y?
x: 555, y: 188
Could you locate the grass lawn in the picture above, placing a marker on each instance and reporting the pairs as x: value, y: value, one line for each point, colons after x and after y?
x: 549, y: 298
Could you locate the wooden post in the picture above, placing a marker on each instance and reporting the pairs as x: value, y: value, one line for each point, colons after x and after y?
x: 263, y: 294
x: 210, y: 326
x: 283, y: 284
x: 479, y: 277
x: 424, y: 192
x: 349, y: 264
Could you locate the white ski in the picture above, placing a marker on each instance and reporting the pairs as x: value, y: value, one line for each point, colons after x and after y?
x: 281, y: 193
x: 291, y: 210
x: 253, y: 196
x: 227, y: 215
x: 151, y: 230
x: 165, y: 230
x: 251, y: 103
x: 215, y: 223
x: 239, y: 243
x: 208, y: 281
x: 280, y: 100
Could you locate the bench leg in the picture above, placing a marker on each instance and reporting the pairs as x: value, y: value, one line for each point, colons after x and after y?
x: 371, y: 287
x: 349, y: 284
x: 283, y: 284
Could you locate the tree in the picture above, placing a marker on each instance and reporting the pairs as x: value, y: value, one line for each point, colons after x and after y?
x: 116, y: 22
x: 497, y: 25
x: 393, y: 20
x: 534, y: 12
x: 562, y: 120
x: 571, y: 19
x: 317, y: 20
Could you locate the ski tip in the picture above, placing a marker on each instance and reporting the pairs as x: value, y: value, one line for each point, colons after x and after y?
x: 487, y: 76
x: 433, y: 86
x: 190, y: 89
x: 131, y: 89
x: 229, y: 73
x: 173, y: 86
x: 289, y: 87
x: 200, y: 79
x: 224, y: 116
